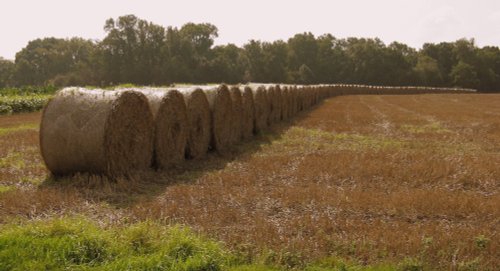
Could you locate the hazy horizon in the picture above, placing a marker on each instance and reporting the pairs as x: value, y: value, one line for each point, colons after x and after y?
x: 410, y: 22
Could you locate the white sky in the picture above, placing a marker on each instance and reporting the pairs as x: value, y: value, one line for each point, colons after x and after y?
x: 409, y: 21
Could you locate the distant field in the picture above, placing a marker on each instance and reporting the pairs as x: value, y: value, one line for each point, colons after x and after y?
x: 401, y: 180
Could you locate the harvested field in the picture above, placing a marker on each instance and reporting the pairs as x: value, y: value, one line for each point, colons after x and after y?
x: 369, y: 178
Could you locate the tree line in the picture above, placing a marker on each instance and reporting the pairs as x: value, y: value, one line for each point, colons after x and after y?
x: 140, y: 52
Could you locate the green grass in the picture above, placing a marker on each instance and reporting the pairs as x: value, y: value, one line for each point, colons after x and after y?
x: 23, y: 127
x: 433, y: 127
x: 13, y: 160
x: 6, y: 188
x: 79, y: 244
x: 299, y: 139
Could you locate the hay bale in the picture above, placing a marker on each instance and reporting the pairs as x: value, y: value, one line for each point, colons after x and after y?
x: 270, y: 104
x: 171, y: 126
x: 261, y: 104
x: 293, y: 100
x: 285, y: 103
x: 277, y: 104
x: 97, y: 131
x: 221, y: 110
x: 301, y: 98
x: 237, y: 120
x: 248, y: 116
x: 199, y: 121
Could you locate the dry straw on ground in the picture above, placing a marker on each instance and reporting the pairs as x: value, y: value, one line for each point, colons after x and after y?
x: 171, y: 126
x: 221, y: 110
x: 97, y: 131
x: 199, y: 119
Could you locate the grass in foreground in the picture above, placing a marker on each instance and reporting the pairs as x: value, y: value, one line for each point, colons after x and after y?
x: 78, y: 244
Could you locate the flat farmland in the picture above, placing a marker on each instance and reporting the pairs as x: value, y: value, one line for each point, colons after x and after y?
x: 369, y: 178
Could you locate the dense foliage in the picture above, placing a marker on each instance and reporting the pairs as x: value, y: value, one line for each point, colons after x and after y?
x: 24, y: 99
x: 24, y: 103
x: 140, y: 52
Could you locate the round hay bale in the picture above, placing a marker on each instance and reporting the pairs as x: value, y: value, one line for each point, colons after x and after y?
x: 220, y: 103
x: 97, y: 131
x: 248, y: 116
x: 171, y: 126
x: 292, y: 105
x: 199, y: 119
x: 293, y: 101
x: 270, y: 105
x: 301, y: 98
x: 261, y: 104
x: 237, y: 120
x: 277, y: 104
x: 285, y: 103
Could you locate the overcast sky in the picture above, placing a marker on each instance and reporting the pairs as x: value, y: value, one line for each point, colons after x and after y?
x: 413, y: 22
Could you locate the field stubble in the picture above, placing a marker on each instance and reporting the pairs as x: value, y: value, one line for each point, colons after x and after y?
x: 370, y: 178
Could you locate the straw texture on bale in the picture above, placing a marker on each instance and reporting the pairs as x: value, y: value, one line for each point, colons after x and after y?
x: 271, y: 118
x: 97, y: 131
x: 171, y: 126
x: 198, y: 125
x: 278, y: 104
x: 237, y: 119
x: 261, y: 109
x: 248, y: 116
x: 221, y: 110
x: 285, y: 102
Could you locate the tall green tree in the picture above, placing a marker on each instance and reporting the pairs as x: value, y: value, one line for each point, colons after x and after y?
x: 368, y: 60
x: 6, y: 72
x: 256, y: 64
x: 488, y: 68
x: 427, y: 71
x: 464, y: 75
x: 198, y: 39
x: 133, y: 51
x: 228, y: 64
x: 303, y: 51
x: 42, y: 60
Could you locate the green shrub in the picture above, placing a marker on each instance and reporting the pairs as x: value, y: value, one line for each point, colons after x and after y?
x: 22, y: 103
x: 28, y: 90
x: 5, y: 109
